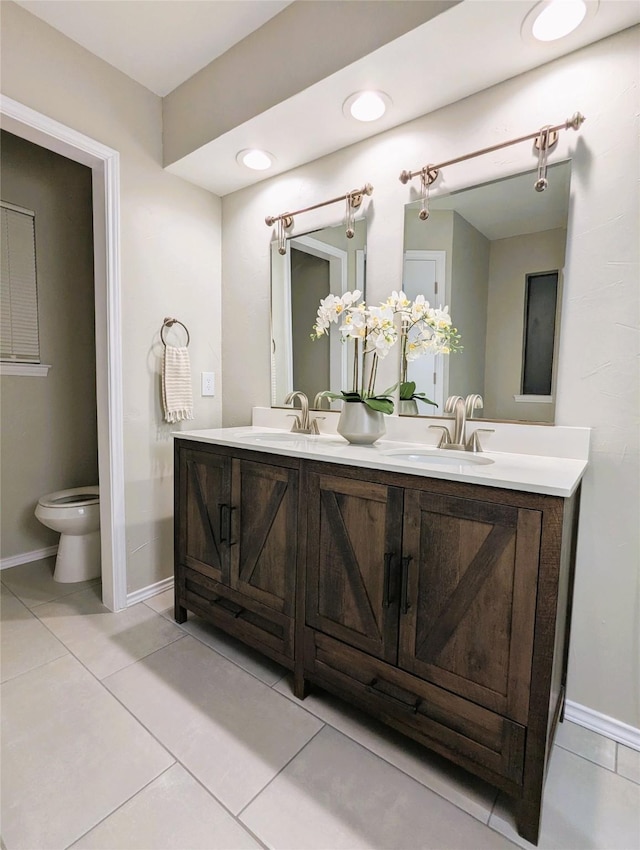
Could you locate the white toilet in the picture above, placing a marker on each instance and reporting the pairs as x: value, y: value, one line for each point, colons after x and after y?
x: 76, y: 515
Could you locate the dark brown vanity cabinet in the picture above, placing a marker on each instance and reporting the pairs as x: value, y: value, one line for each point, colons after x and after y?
x: 236, y: 538
x: 442, y: 589
x: 438, y: 606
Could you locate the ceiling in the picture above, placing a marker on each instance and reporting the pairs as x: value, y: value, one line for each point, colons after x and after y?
x: 158, y: 43
x: 469, y: 47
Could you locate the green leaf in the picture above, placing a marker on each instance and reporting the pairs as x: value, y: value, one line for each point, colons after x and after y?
x: 423, y: 397
x: 384, y: 405
x: 389, y: 390
x: 350, y: 396
x: 407, y: 389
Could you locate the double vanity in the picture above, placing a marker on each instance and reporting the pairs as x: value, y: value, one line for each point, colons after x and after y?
x: 431, y: 588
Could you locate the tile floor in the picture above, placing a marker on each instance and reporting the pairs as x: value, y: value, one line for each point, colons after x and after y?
x: 129, y: 731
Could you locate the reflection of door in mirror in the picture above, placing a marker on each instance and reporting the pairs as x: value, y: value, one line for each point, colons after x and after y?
x: 314, y: 265
x: 505, y: 246
x: 424, y: 274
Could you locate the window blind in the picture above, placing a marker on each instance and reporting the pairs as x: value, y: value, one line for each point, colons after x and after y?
x: 19, y: 338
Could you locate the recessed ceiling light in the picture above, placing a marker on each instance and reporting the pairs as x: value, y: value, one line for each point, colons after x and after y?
x: 255, y: 159
x: 554, y: 19
x: 366, y: 105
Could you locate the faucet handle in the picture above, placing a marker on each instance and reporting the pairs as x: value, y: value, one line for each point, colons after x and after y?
x: 445, y: 437
x: 297, y: 425
x: 314, y: 424
x: 473, y: 443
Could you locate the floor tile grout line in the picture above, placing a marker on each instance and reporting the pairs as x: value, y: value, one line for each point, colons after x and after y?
x: 48, y: 601
x: 119, y: 806
x: 226, y: 657
x: 284, y: 767
x: 37, y: 666
x: 71, y: 652
x: 586, y: 758
x: 293, y: 699
x: 110, y: 693
x: 220, y: 802
x: 133, y: 661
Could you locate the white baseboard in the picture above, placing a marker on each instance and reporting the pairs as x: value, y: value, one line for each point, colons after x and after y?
x: 604, y: 725
x: 151, y: 590
x: 27, y: 557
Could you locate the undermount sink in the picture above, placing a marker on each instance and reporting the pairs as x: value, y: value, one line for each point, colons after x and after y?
x: 290, y: 437
x: 277, y: 437
x: 440, y: 457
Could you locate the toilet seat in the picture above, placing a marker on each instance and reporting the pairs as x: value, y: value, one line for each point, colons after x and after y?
x: 78, y: 497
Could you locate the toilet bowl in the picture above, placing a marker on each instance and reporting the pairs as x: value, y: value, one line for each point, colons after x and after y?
x: 76, y: 515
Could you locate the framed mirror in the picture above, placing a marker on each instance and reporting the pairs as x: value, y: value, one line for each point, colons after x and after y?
x: 314, y: 265
x: 493, y: 253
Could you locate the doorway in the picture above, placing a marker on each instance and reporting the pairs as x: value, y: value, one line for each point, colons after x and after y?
x: 28, y: 124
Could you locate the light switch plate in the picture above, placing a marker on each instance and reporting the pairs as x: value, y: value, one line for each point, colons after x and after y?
x: 208, y: 383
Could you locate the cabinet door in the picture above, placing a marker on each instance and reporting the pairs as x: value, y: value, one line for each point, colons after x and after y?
x: 262, y: 533
x: 353, y: 546
x: 469, y: 597
x: 206, y: 490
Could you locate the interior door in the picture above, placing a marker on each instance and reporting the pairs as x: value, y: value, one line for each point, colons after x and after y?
x: 353, y: 545
x: 262, y: 533
x: 469, y: 597
x: 424, y: 274
x: 206, y: 479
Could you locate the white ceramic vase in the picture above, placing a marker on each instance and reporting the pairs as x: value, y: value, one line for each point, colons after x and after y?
x: 408, y: 407
x: 359, y: 424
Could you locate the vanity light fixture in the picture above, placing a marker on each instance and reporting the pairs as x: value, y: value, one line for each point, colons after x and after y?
x: 285, y: 220
x: 544, y: 140
x: 366, y: 105
x: 255, y: 159
x: 554, y: 19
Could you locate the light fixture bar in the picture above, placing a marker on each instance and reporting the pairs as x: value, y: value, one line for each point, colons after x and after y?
x: 355, y: 199
x: 431, y: 171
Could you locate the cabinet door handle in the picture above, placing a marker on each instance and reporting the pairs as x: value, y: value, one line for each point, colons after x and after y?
x: 222, y: 523
x: 388, y: 558
x: 229, y: 522
x: 405, y: 584
x: 398, y: 696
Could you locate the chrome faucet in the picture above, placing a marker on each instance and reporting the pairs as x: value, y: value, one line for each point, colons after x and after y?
x: 462, y: 409
x: 302, y: 424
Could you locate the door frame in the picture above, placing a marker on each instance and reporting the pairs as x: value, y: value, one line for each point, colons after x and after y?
x: 338, y: 283
x: 104, y: 162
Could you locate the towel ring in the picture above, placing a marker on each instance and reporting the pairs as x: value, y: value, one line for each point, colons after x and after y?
x: 168, y: 322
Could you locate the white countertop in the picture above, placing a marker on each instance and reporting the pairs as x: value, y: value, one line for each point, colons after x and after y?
x: 555, y: 476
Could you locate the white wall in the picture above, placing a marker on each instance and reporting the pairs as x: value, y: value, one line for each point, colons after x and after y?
x: 170, y: 233
x: 598, y: 368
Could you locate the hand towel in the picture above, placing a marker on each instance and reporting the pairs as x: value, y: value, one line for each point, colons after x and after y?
x: 177, y: 395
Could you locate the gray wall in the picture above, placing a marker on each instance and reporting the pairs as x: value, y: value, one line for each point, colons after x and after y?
x: 468, y: 307
x: 511, y: 261
x: 49, y: 439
